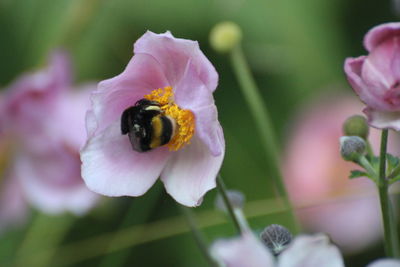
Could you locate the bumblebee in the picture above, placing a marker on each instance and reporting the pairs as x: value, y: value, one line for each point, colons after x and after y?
x: 147, y: 126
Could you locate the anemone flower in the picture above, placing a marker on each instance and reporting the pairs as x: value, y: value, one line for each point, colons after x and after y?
x: 44, y: 121
x: 305, y: 250
x: 375, y: 77
x: 247, y: 251
x: 156, y: 119
x: 13, y: 206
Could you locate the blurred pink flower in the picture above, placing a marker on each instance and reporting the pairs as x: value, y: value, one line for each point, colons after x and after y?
x: 376, y: 77
x: 13, y: 207
x: 315, y: 173
x: 176, y: 74
x: 44, y: 120
x: 247, y: 251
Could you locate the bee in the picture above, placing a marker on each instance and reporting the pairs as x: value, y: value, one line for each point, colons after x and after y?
x: 147, y: 126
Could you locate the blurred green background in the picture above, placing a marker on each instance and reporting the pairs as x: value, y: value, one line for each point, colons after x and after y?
x: 295, y: 49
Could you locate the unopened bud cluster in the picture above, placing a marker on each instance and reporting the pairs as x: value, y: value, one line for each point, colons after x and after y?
x: 276, y: 238
x: 352, y: 147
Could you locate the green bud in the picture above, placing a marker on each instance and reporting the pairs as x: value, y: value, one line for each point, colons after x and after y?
x: 352, y: 147
x: 225, y: 36
x: 356, y: 126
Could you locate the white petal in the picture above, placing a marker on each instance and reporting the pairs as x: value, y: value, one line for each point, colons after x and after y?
x: 111, y: 167
x: 383, y: 119
x: 191, y: 172
x: 311, y: 251
x: 385, y: 263
x: 245, y: 251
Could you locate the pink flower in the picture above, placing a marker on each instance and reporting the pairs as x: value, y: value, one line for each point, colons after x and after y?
x: 247, y: 251
x: 317, y: 176
x: 13, y: 207
x: 376, y: 77
x: 179, y: 78
x: 44, y: 120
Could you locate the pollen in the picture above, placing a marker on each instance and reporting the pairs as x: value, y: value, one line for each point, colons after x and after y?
x: 184, y: 118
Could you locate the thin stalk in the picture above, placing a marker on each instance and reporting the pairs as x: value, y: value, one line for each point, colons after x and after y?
x: 370, y: 151
x: 367, y: 166
x: 389, y: 222
x: 222, y: 190
x: 45, y: 233
x: 131, y: 218
x: 198, y: 236
x: 261, y: 116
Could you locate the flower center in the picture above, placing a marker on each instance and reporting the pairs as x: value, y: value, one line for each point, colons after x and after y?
x: 184, y: 118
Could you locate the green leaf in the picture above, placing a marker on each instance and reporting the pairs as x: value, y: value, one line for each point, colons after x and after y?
x: 392, y: 162
x: 375, y: 162
x: 395, y: 179
x: 357, y: 174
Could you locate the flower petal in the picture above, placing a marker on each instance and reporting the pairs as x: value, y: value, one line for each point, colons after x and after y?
x: 385, y: 263
x: 52, y: 182
x: 383, y: 119
x: 369, y: 95
x: 311, y: 251
x: 245, y: 251
x: 33, y: 97
x: 13, y: 206
x: 377, y: 70
x: 192, y: 94
x: 173, y: 54
x: 142, y: 75
x: 110, y: 167
x: 380, y: 33
x: 72, y: 112
x: 191, y: 172
x: 209, y: 130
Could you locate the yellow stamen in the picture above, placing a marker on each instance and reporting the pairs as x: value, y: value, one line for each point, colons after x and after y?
x: 184, y: 118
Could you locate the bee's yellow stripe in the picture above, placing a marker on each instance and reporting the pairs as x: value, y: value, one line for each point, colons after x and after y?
x: 157, y: 126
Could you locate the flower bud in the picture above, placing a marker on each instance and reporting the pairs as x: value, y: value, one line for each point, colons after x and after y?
x: 356, y: 126
x: 225, y: 36
x: 236, y: 198
x: 276, y: 238
x: 352, y: 147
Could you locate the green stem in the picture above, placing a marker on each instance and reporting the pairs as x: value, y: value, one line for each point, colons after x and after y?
x: 263, y: 121
x: 362, y: 161
x: 222, y: 190
x: 119, y: 259
x: 370, y: 151
x: 198, y: 236
x: 45, y: 233
x: 389, y: 222
x: 112, y: 258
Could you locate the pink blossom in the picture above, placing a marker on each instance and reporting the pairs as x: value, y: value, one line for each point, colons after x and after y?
x: 176, y: 74
x: 44, y: 120
x: 317, y: 176
x: 13, y: 207
x: 247, y: 251
x: 376, y: 77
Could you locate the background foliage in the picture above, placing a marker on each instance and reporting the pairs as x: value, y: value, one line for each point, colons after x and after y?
x: 296, y: 50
